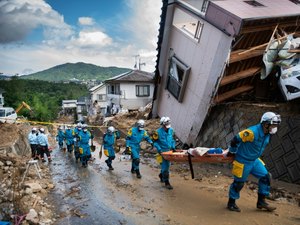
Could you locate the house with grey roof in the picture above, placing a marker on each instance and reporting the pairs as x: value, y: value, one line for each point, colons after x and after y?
x: 130, y: 90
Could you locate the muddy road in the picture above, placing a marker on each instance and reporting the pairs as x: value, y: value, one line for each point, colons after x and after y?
x: 96, y: 195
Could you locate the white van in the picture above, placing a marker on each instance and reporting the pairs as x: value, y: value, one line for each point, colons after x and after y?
x: 8, y: 115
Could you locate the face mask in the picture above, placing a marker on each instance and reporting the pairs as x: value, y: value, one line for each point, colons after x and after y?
x: 84, y: 130
x: 273, y: 130
x: 141, y: 128
x: 168, y: 126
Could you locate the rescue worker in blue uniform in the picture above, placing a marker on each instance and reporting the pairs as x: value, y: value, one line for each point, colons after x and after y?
x: 134, y: 137
x: 109, y: 140
x: 32, y: 138
x: 75, y: 133
x: 163, y: 142
x: 69, y: 138
x: 43, y: 143
x: 84, y: 148
x: 247, y: 146
x: 60, y: 137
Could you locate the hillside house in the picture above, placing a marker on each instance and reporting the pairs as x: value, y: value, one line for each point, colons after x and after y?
x: 210, y: 52
x: 68, y: 106
x: 130, y: 90
x: 98, y: 94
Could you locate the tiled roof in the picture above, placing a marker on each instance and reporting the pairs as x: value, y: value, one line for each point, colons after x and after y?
x: 132, y: 76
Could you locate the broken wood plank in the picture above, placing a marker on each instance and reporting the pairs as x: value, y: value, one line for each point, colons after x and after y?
x: 293, y: 50
x: 263, y: 45
x: 236, y: 57
x: 240, y: 75
x: 232, y: 93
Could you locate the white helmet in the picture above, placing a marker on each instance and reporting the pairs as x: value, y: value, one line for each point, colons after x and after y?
x: 141, y: 123
x: 84, y: 126
x: 34, y: 129
x: 79, y: 125
x: 166, y: 121
x: 162, y: 120
x: 270, y: 118
x: 61, y: 127
x: 111, y: 129
x: 42, y: 130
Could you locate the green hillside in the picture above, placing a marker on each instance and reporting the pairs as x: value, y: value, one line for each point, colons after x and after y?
x: 80, y: 71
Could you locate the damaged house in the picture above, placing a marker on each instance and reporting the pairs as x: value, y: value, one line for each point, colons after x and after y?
x: 210, y: 54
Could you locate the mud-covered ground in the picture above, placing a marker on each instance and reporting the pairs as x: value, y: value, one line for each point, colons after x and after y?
x: 96, y: 195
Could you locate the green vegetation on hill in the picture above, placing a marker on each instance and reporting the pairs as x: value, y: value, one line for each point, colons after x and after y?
x: 45, y: 98
x: 81, y: 71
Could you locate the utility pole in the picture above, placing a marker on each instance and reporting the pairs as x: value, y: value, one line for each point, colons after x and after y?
x: 138, y: 63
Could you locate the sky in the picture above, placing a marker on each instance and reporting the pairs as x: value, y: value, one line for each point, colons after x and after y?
x: 36, y: 35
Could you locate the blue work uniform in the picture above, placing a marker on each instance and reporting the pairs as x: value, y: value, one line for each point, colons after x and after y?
x: 249, y: 146
x: 109, y: 141
x: 133, y: 140
x: 69, y: 139
x: 60, y: 138
x: 164, y: 141
x: 84, y: 138
x: 75, y: 133
x: 32, y: 138
x: 43, y: 143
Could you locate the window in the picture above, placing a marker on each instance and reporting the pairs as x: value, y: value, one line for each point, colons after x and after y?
x: 113, y: 89
x: 254, y: 3
x: 142, y: 90
x: 101, y: 97
x: 177, y: 78
x: 187, y: 24
x: 204, y: 5
x: 297, y: 2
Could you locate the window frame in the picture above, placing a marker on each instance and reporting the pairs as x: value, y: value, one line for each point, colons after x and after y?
x: 188, y: 24
x: 137, y: 90
x: 175, y: 63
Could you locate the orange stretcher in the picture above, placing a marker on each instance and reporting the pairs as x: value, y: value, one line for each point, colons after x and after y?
x: 183, y: 156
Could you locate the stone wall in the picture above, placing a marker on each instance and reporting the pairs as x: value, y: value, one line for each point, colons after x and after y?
x: 282, y: 155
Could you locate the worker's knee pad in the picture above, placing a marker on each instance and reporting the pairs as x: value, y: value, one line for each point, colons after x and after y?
x: 238, y: 186
x: 266, y: 179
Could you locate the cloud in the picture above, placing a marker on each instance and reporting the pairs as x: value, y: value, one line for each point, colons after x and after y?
x: 86, y: 21
x: 88, y: 41
x: 19, y: 17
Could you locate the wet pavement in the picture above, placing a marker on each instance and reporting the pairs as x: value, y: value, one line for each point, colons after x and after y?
x: 80, y: 193
x: 96, y: 195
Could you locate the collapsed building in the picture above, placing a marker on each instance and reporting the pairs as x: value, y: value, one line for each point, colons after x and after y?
x: 211, y: 58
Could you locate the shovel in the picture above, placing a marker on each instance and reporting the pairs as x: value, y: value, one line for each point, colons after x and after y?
x: 93, y: 147
x: 100, y: 152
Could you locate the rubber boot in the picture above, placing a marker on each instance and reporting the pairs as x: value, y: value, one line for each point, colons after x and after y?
x: 168, y: 185
x: 232, y: 206
x: 262, y: 204
x: 138, y: 174
x: 160, y: 177
x: 132, y: 170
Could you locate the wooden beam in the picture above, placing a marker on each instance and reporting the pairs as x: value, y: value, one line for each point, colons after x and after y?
x: 240, y: 75
x: 236, y: 57
x: 268, y: 26
x: 232, y: 93
x: 265, y: 44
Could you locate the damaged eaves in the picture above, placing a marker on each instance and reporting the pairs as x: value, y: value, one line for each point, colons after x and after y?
x: 242, y: 74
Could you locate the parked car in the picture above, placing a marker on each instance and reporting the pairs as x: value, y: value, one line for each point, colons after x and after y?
x: 289, y: 80
x: 8, y: 115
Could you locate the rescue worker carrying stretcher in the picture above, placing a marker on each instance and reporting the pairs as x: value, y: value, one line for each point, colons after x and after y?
x: 247, y: 146
x: 163, y: 142
x: 134, y: 137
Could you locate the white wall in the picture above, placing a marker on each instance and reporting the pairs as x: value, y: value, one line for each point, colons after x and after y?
x: 99, y: 91
x: 129, y: 100
x: 206, y: 59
